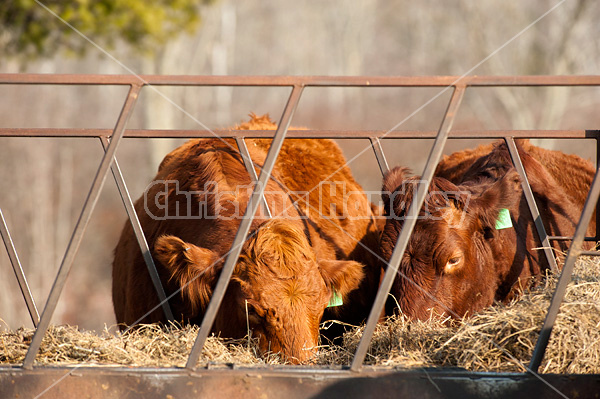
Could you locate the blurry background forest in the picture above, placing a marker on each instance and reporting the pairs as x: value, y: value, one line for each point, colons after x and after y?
x: 45, y: 181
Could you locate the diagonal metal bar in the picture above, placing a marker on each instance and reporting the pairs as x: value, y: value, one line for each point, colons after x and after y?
x: 139, y: 233
x: 598, y: 204
x: 240, y: 237
x: 379, y: 154
x: 82, y: 222
x: 409, y: 224
x: 16, y: 264
x: 565, y: 277
x: 241, y: 143
x: 533, y: 209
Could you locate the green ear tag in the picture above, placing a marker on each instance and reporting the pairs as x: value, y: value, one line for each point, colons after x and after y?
x: 336, y: 300
x: 503, y: 221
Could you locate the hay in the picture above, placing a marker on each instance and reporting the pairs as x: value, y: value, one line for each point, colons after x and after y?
x: 147, y: 346
x: 500, y: 338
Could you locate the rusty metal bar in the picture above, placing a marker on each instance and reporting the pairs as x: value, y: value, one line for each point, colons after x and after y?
x: 19, y: 274
x: 82, y: 222
x: 300, y: 134
x: 379, y: 155
x: 597, y: 238
x: 288, y: 383
x: 305, y: 81
x: 244, y: 228
x: 241, y: 143
x: 139, y: 234
x: 590, y: 253
x: 407, y: 228
x: 533, y: 209
x: 569, y: 238
x: 565, y: 277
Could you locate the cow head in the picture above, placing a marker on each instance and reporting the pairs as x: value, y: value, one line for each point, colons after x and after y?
x: 449, y: 264
x: 278, y: 290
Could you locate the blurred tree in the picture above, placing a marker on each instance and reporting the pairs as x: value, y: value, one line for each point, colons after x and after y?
x: 32, y: 31
x: 29, y: 30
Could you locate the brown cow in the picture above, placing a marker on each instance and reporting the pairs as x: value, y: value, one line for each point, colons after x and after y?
x: 459, y: 260
x: 571, y: 172
x: 290, y: 266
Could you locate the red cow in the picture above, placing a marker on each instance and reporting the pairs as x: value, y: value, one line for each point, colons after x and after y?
x: 290, y: 266
x: 461, y: 256
x: 571, y: 172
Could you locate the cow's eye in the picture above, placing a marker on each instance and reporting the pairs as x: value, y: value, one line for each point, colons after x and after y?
x: 452, y: 263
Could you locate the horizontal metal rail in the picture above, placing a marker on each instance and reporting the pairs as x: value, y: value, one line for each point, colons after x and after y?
x: 285, y: 382
x: 299, y: 134
x: 565, y: 238
x: 305, y: 81
x: 297, y: 83
x: 589, y: 253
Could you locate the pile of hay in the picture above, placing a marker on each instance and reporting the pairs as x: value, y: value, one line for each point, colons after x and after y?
x: 500, y: 338
x: 148, y: 346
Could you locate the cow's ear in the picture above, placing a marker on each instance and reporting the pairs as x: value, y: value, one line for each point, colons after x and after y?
x: 192, y: 267
x: 391, y: 181
x: 505, y: 193
x: 342, y: 275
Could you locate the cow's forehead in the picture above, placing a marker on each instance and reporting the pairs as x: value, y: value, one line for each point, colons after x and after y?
x: 277, y: 270
x: 454, y: 218
x: 273, y: 292
x: 431, y: 236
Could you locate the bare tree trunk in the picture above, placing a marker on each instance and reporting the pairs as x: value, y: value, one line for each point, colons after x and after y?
x: 222, y: 60
x: 177, y: 107
x: 158, y: 112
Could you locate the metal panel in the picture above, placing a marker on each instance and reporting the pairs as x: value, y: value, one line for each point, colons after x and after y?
x: 240, y: 237
x: 407, y: 228
x: 298, y: 82
x: 139, y: 234
x: 80, y: 227
x: 565, y: 277
x: 535, y: 214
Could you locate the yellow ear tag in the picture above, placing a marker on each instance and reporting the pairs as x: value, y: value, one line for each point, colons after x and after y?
x: 336, y: 300
x: 503, y: 221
